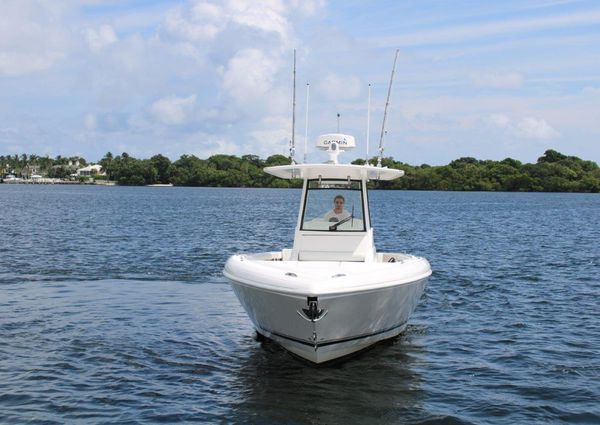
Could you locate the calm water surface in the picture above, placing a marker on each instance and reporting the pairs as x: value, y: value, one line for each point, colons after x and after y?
x: 113, y: 309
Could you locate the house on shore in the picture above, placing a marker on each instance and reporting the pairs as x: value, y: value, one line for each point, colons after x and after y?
x: 30, y: 170
x: 90, y: 170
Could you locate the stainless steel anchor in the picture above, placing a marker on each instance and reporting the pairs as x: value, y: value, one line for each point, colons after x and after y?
x: 313, y: 314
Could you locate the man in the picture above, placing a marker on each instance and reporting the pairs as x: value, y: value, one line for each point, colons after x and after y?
x: 338, y: 212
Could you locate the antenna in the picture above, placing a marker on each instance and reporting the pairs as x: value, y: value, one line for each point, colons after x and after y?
x: 293, y: 141
x: 306, y: 125
x: 368, y: 124
x: 387, y: 103
x: 338, y: 122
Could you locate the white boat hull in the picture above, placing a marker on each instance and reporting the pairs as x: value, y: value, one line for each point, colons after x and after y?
x: 350, y: 319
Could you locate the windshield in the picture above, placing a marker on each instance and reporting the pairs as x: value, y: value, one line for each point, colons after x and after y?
x: 333, y: 205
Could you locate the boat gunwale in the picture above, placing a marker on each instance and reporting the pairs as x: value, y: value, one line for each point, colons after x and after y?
x: 302, y: 291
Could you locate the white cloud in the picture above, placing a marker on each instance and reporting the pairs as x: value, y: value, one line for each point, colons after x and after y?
x: 249, y: 76
x: 174, y: 110
x: 201, y: 144
x: 236, y: 55
x: 33, y: 36
x: 221, y: 146
x: 8, y: 130
x: 269, y: 142
x: 499, y: 120
x: 240, y: 46
x: 205, y: 20
x: 339, y: 87
x: 509, y: 80
x: 8, y: 136
x: 272, y: 137
x: 308, y: 7
x: 265, y: 15
x: 526, y: 128
x: 536, y: 128
x: 97, y: 39
x: 105, y: 122
x: 90, y: 122
x: 461, y: 33
x: 592, y: 90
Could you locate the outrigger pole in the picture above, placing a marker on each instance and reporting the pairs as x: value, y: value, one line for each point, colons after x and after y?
x: 306, y: 124
x: 293, y: 141
x: 387, y: 103
x: 368, y: 124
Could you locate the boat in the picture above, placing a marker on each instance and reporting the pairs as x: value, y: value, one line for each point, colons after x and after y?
x: 12, y: 179
x: 331, y: 294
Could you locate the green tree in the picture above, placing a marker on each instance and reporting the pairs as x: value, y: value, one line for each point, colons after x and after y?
x: 162, y: 165
x: 551, y: 156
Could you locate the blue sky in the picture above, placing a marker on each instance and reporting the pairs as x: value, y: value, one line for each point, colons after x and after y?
x: 474, y: 78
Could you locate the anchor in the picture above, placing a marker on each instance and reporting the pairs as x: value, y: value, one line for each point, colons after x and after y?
x: 313, y: 313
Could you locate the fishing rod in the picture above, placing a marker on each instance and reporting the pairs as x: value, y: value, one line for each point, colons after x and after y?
x: 387, y: 103
x: 368, y: 124
x: 293, y: 141
x: 306, y: 124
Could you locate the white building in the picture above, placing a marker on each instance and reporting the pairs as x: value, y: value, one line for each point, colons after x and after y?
x: 90, y: 170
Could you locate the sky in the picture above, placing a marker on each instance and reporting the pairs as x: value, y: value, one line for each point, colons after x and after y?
x: 475, y: 78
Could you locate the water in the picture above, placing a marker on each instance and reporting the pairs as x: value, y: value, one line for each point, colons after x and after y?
x: 113, y: 309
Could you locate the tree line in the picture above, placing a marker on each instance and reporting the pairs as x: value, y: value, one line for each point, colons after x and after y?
x: 553, y: 172
x: 189, y: 170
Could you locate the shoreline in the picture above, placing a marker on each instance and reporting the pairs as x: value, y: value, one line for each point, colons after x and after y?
x: 384, y: 189
x: 61, y: 182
